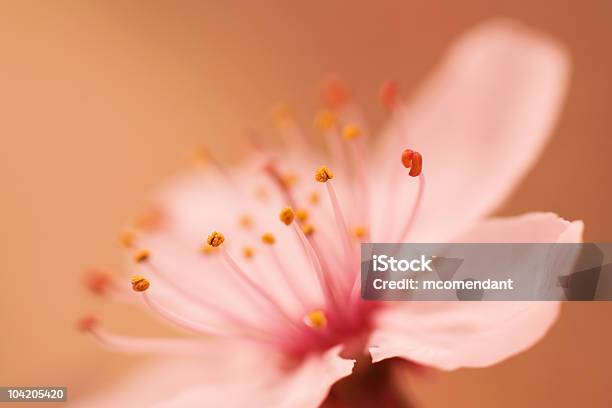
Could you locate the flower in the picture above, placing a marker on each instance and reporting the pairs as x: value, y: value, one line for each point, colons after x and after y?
x: 261, y: 261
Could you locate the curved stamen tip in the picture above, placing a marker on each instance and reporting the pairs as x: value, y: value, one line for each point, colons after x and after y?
x: 268, y: 238
x: 325, y: 120
x: 389, y: 94
x: 308, y: 229
x: 140, y: 283
x: 323, y: 174
x: 127, y: 238
x: 412, y: 160
x: 351, y: 132
x: 248, y: 252
x: 142, y: 255
x: 86, y: 323
x: 287, y: 215
x: 316, y: 319
x: 215, y: 239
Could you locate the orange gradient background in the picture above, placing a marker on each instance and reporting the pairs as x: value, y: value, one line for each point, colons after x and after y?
x: 100, y: 100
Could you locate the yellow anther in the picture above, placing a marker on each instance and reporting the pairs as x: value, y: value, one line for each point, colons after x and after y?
x: 360, y: 232
x: 301, y: 214
x: 282, y: 114
x: 248, y: 252
x: 325, y: 120
x: 142, y: 256
x: 351, y: 132
x: 323, y: 174
x: 215, y: 239
x: 287, y: 215
x: 127, y: 238
x: 313, y: 198
x: 246, y: 221
x: 308, y: 229
x: 140, y: 283
x: 316, y: 319
x: 268, y: 238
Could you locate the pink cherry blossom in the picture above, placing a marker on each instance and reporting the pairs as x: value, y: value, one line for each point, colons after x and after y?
x: 275, y: 307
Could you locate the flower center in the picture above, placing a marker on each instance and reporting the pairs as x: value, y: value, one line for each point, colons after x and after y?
x: 342, y: 315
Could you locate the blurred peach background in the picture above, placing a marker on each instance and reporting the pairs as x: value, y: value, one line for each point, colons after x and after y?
x: 100, y: 100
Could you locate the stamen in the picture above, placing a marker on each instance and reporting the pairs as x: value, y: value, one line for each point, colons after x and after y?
x: 308, y: 229
x: 139, y: 283
x: 323, y: 174
x: 301, y: 214
x: 215, y: 239
x: 268, y: 238
x: 325, y: 121
x: 415, y: 210
x: 335, y: 93
x: 282, y: 115
x: 360, y: 232
x: 98, y: 281
x: 316, y: 319
x: 313, y: 198
x: 248, y: 252
x: 280, y: 181
x: 208, y: 250
x: 412, y: 160
x: 351, y: 132
x: 102, y: 282
x: 198, y: 157
x: 290, y: 132
x: 246, y: 221
x: 286, y: 215
x: 86, y: 323
x: 316, y: 260
x: 289, y: 180
x: 127, y: 238
x: 150, y: 219
x: 263, y: 294
x: 261, y: 193
x: 389, y: 95
x: 181, y: 321
x: 196, y: 298
x: 141, y: 256
x: 128, y: 344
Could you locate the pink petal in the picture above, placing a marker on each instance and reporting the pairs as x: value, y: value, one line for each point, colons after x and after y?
x: 449, y: 335
x: 153, y: 376
x: 267, y: 385
x: 230, y: 375
x: 480, y: 122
